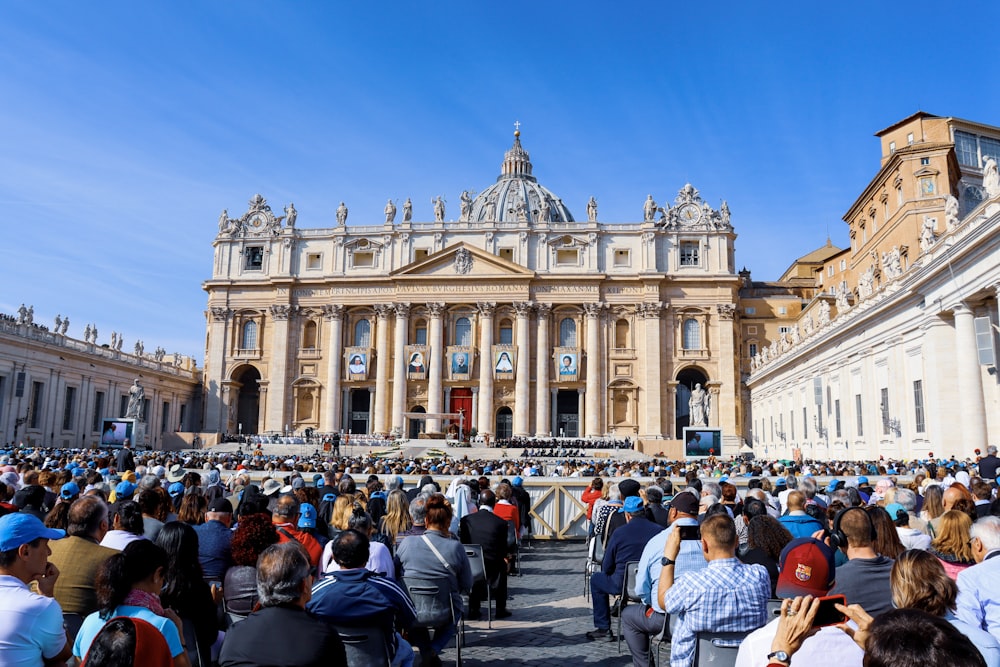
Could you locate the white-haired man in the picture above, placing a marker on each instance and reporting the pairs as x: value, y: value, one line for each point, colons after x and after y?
x: 979, y: 586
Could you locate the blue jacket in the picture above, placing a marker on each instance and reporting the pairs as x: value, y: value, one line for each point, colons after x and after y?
x: 625, y: 545
x: 800, y: 525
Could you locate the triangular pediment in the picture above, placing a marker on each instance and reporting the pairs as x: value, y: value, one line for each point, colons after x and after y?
x: 463, y: 261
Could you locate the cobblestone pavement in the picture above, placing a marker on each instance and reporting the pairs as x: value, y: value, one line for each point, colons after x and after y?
x: 550, y: 617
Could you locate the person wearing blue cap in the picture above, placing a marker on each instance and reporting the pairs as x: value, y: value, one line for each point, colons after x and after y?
x: 625, y: 545
x: 31, y: 624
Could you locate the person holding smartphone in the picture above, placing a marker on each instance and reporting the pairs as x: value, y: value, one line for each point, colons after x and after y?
x: 806, y: 568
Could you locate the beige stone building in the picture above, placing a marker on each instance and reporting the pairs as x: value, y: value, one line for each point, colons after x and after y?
x: 55, y: 389
x: 511, y: 313
x: 894, y: 352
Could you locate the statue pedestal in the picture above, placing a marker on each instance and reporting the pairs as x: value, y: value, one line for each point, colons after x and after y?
x: 139, y: 436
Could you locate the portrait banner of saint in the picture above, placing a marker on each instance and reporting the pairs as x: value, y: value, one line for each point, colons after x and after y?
x: 503, y: 364
x: 459, y: 364
x: 357, y: 365
x: 416, y: 362
x: 566, y: 366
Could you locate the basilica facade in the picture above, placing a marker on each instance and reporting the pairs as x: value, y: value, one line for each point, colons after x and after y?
x: 513, y: 318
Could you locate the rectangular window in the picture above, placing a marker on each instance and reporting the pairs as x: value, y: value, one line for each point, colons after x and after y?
x: 843, y: 265
x: 254, y: 258
x: 965, y: 149
x: 19, y: 385
x: 622, y: 258
x: 899, y: 195
x: 783, y: 311
x: 314, y: 261
x: 95, y: 423
x: 419, y: 254
x: 145, y: 410
x: 506, y: 253
x: 989, y: 148
x: 829, y: 270
x: 784, y: 330
x: 750, y: 310
x: 857, y: 411
x: 753, y: 349
x: 690, y: 255
x: 36, y: 404
x: 165, y: 417
x: 421, y: 337
x: 781, y: 426
x: 918, y: 405
x: 180, y: 422
x: 836, y: 415
x: 892, y: 147
x: 884, y: 407
x: 123, y: 405
x: 909, y: 138
x: 805, y: 423
x: 69, y: 403
x: 925, y: 161
x: 752, y: 330
x: 363, y: 259
x: 568, y: 257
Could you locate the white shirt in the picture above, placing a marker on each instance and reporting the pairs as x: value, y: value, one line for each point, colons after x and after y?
x: 379, y: 560
x: 816, y: 650
x: 119, y: 539
x: 31, y: 625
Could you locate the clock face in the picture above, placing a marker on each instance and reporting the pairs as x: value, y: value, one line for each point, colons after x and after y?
x: 689, y: 214
x: 256, y: 220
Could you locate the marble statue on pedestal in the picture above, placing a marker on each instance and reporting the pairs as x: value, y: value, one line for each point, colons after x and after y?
x: 649, y: 209
x: 136, y: 395
x: 698, y: 406
x: 86, y: 334
x: 22, y: 314
x: 465, y: 206
x: 592, y: 210
x: 341, y: 214
x: 390, y: 212
x: 291, y: 215
x: 407, y: 210
x: 991, y: 178
x: 927, y: 233
x: 951, y: 212
x: 65, y: 326
x: 438, y: 209
x: 58, y: 324
x: 824, y: 312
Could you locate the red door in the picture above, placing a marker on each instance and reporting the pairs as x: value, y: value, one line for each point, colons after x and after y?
x: 461, y: 401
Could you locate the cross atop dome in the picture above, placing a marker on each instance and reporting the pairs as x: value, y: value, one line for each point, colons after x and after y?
x: 516, y: 161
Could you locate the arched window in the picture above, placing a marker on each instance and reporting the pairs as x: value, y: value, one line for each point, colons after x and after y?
x: 309, y: 335
x: 621, y: 333
x: 567, y: 332
x: 506, y: 332
x: 692, y: 334
x: 363, y: 333
x: 420, y: 332
x: 249, y: 338
x: 463, y: 331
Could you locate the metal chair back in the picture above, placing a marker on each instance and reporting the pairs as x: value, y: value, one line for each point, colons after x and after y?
x: 366, y: 646
x: 718, y: 649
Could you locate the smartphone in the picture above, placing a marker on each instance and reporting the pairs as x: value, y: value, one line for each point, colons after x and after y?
x: 827, y: 614
x: 690, y: 532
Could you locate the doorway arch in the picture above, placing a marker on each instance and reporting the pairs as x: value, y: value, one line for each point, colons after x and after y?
x: 686, y: 380
x: 416, y: 425
x: 248, y: 399
x: 505, y: 423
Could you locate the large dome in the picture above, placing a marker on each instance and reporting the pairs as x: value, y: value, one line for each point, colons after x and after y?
x: 517, y: 196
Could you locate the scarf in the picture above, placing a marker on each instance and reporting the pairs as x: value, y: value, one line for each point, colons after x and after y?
x: 137, y: 598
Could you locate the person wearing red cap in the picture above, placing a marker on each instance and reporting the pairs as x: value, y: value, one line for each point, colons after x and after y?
x: 807, y: 568
x: 31, y: 624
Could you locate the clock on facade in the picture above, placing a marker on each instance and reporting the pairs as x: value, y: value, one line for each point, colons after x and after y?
x: 256, y: 220
x: 689, y: 214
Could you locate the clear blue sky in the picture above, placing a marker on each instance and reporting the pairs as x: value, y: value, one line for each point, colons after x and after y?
x: 126, y: 127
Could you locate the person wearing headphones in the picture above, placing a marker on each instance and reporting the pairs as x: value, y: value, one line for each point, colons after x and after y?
x: 864, y: 578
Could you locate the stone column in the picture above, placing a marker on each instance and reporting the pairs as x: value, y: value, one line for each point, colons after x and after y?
x: 651, y: 422
x: 969, y: 380
x: 725, y: 410
x: 543, y: 411
x: 475, y: 410
x: 595, y: 356
x: 554, y: 411
x: 522, y: 381
x: 435, y: 363
x: 485, y: 414
x: 345, y: 409
x: 215, y: 365
x: 383, y: 313
x: 399, y: 367
x: 334, y: 315
x: 371, y: 413
x: 582, y: 410
x: 671, y: 417
x: 278, y: 367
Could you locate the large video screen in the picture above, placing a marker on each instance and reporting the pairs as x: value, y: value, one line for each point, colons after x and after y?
x: 700, y: 442
x: 115, y: 431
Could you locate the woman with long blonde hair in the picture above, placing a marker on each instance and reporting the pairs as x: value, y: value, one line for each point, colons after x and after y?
x: 397, y: 516
x: 951, y: 545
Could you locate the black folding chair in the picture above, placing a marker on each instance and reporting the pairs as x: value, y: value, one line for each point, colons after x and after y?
x: 628, y: 594
x: 718, y: 649
x: 435, y: 609
x: 477, y: 562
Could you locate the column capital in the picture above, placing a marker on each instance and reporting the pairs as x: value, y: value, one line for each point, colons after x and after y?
x: 593, y: 309
x: 384, y: 310
x: 220, y: 313
x: 333, y: 311
x: 436, y: 309
x: 727, y: 311
x: 649, y: 311
x: 402, y: 310
x: 523, y: 308
x: 543, y: 309
x: 282, y: 311
x: 486, y: 308
x: 960, y: 308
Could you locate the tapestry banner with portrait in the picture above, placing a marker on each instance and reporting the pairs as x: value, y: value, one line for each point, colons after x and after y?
x: 417, y: 358
x: 566, y: 361
x: 356, y: 362
x: 504, y: 361
x: 459, y: 362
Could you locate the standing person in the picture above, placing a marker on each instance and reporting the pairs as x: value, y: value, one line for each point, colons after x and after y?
x: 265, y: 637
x: 125, y: 459
x: 489, y: 531
x: 31, y: 624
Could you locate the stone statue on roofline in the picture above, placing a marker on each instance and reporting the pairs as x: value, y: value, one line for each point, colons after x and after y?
x: 991, y: 178
x: 592, y: 210
x: 342, y: 214
x: 390, y: 212
x: 407, y: 210
x: 951, y: 212
x: 291, y: 215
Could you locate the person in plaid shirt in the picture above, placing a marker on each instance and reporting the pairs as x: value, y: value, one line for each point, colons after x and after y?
x: 725, y: 596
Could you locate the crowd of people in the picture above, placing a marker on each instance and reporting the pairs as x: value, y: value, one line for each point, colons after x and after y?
x: 149, y: 564
x: 913, y: 563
